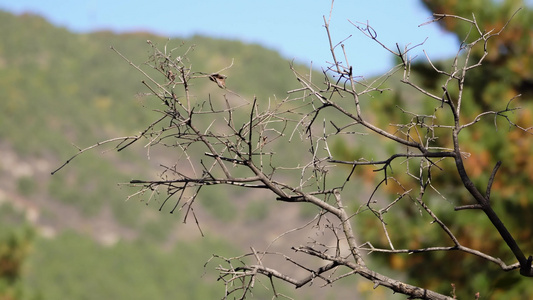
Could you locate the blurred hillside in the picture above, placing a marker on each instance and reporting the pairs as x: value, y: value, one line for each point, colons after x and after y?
x: 82, y: 239
x: 73, y: 235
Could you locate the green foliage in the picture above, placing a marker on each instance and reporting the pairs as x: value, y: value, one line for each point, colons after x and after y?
x: 60, y: 89
x: 59, y: 79
x: 308, y: 211
x: 78, y: 268
x: 506, y: 72
x: 26, y: 186
x: 218, y: 203
x: 16, y: 244
x: 256, y: 211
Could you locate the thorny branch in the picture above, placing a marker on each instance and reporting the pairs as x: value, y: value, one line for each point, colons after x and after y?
x: 235, y: 142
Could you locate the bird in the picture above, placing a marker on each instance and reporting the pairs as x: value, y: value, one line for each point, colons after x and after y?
x: 219, y: 79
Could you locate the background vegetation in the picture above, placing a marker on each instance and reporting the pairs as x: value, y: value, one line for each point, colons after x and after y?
x: 73, y: 236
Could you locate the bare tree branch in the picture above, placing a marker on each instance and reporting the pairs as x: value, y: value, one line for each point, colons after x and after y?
x: 237, y: 142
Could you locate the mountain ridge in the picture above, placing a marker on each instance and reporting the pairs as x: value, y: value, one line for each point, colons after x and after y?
x: 61, y: 92
x: 73, y: 95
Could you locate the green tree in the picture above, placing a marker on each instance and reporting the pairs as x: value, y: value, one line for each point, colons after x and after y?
x: 16, y: 243
x: 504, y: 81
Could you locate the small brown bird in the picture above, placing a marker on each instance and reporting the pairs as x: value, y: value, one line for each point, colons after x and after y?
x: 171, y: 76
x: 219, y: 79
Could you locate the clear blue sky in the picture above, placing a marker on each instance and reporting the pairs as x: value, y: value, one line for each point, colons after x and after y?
x: 294, y: 28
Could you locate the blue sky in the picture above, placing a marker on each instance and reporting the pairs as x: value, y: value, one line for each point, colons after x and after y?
x: 294, y: 28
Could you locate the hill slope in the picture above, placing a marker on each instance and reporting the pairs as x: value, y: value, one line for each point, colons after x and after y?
x: 57, y: 89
